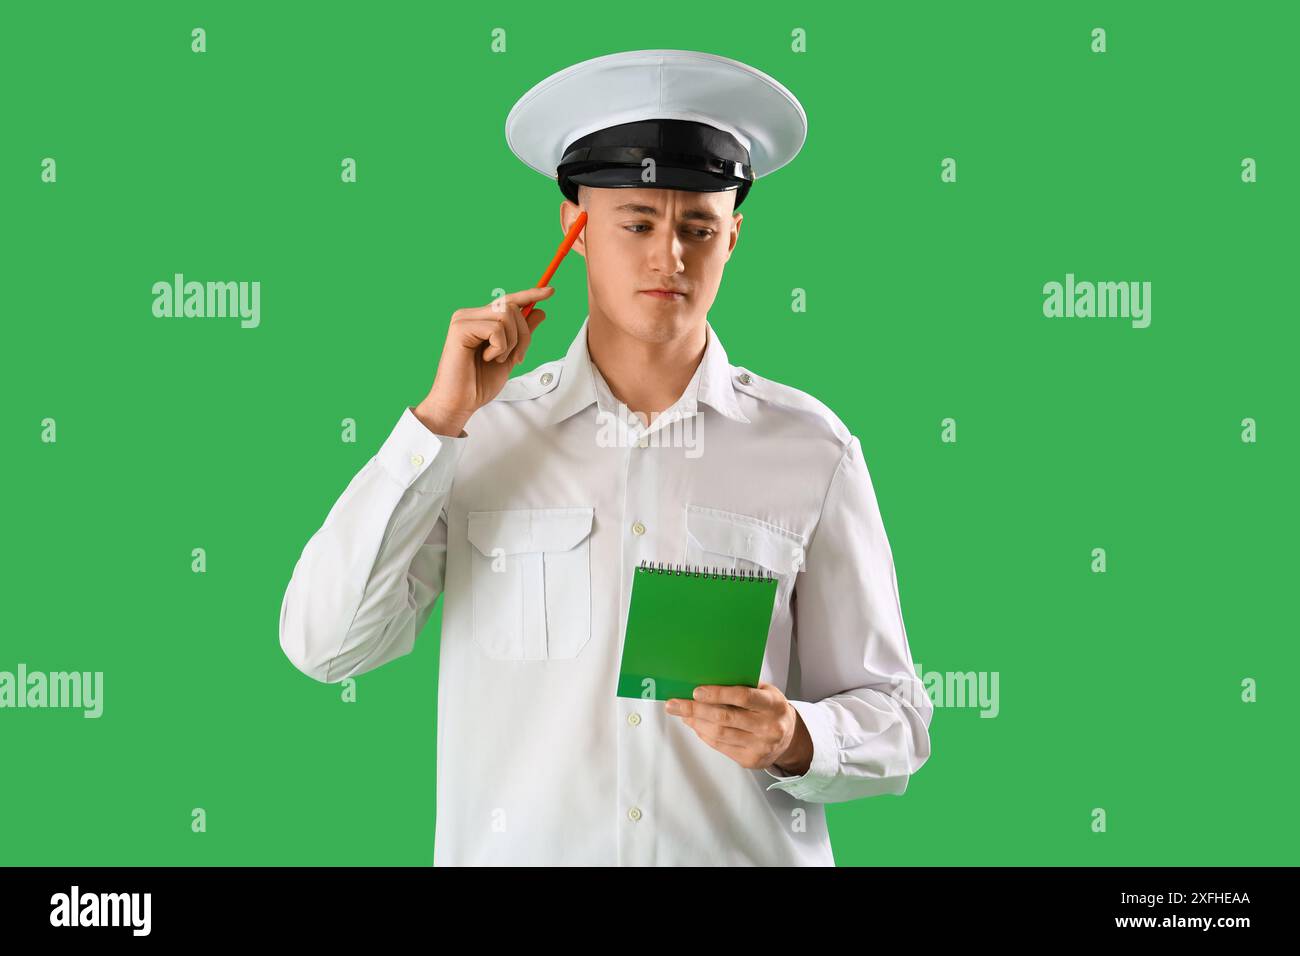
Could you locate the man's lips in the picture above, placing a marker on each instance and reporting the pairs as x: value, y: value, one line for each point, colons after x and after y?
x: 664, y: 293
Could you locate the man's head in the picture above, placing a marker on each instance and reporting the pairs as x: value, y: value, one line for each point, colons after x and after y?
x: 638, y: 239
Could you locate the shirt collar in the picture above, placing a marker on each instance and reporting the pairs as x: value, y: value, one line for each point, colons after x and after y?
x: 581, y: 384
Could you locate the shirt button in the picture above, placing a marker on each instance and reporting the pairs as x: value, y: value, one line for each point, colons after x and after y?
x: 634, y: 814
x: 417, y: 460
x: 634, y: 719
x: 638, y: 528
x: 744, y: 378
x: 643, y: 442
x: 547, y: 378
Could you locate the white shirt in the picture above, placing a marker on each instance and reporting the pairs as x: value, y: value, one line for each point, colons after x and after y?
x: 539, y: 762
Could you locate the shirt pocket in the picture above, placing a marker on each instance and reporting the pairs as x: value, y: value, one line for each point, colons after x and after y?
x: 726, y: 539
x: 531, y: 582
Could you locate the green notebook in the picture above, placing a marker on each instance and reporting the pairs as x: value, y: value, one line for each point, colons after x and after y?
x: 692, y: 626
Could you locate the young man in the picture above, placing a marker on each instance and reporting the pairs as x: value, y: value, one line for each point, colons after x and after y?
x: 510, y: 498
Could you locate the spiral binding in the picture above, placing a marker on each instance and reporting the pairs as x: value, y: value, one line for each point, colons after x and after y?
x: 703, y: 571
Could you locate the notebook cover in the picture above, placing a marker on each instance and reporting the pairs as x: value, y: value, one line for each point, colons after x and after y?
x: 685, y: 629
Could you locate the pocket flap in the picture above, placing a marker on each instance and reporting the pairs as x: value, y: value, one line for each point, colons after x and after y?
x: 529, y: 529
x: 743, y: 536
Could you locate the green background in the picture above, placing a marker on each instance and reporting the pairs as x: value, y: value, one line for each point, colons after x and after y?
x: 1118, y: 690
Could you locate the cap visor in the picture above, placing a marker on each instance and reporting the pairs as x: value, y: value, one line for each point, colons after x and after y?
x: 666, y: 177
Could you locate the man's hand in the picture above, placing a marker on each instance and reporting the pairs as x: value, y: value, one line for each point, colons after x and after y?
x: 482, y: 347
x: 755, y: 726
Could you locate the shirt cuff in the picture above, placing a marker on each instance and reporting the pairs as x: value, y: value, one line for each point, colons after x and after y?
x: 416, y: 457
x: 825, y: 763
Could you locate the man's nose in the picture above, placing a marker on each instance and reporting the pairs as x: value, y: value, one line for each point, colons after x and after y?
x: 666, y: 253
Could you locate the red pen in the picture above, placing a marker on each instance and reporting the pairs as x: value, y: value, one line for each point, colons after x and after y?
x: 569, y: 238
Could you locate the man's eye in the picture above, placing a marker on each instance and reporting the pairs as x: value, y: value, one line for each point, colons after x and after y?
x: 637, y: 227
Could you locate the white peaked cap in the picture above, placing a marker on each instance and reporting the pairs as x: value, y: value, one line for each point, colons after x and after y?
x: 765, y: 119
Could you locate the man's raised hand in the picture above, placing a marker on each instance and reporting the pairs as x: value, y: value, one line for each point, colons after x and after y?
x: 482, y: 347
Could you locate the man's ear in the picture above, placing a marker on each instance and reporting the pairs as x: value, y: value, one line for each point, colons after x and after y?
x: 568, y: 213
x: 736, y: 219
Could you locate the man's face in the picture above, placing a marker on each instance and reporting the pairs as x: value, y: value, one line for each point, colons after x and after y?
x: 640, y: 239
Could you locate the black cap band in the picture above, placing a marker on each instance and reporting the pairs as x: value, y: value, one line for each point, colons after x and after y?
x: 687, y: 155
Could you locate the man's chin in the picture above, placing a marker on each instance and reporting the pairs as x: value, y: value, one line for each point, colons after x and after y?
x: 657, y: 320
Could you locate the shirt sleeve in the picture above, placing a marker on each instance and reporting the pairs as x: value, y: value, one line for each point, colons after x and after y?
x: 366, y: 581
x: 866, y: 710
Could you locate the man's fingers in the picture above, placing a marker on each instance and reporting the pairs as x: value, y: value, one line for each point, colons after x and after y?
x: 524, y: 340
x: 737, y: 695
x: 474, y: 332
x: 524, y: 296
x: 533, y: 320
x: 510, y: 325
x: 502, y: 311
x: 501, y: 324
x: 746, y: 720
x: 499, y: 344
x: 498, y: 328
x: 725, y: 732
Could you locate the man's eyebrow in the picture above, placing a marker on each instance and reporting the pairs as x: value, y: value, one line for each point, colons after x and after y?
x: 698, y: 215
